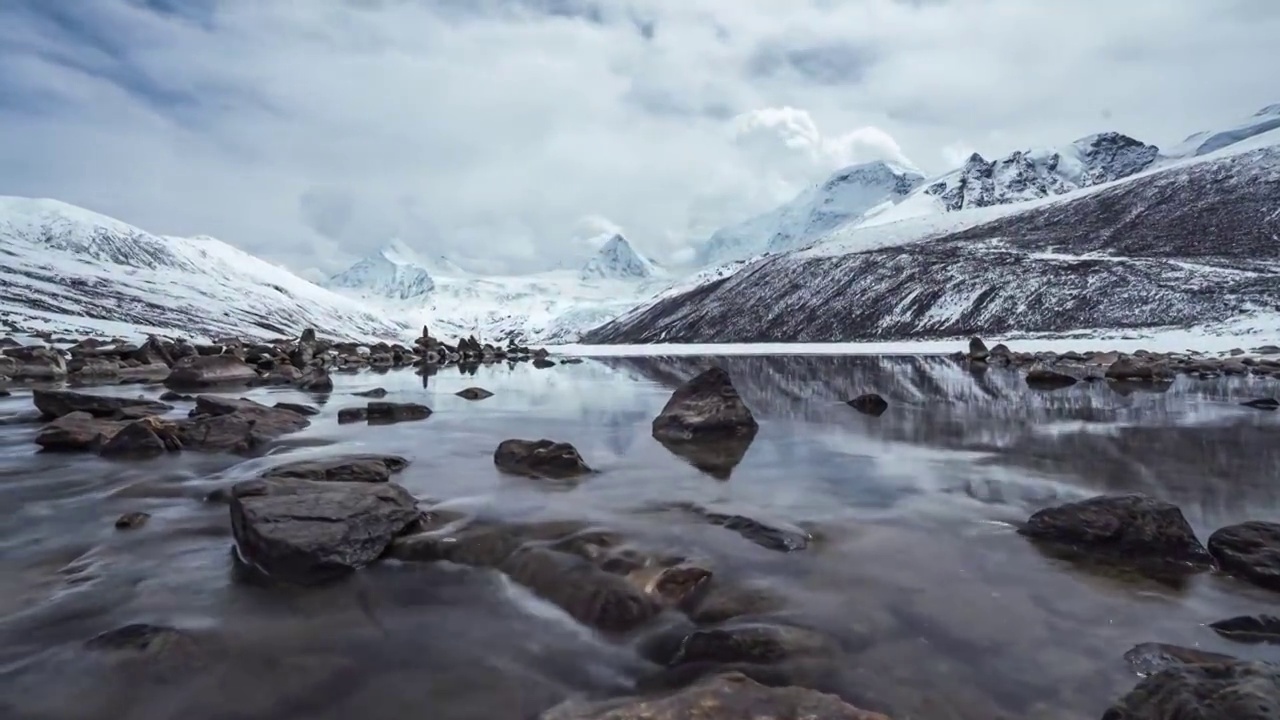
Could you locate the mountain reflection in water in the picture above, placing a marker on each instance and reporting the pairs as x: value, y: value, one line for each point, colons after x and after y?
x: 943, y: 612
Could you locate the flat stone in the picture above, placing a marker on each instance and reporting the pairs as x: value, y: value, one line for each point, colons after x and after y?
x: 56, y: 403
x: 344, y: 468
x: 540, y: 458
x: 1125, y: 527
x: 201, y: 371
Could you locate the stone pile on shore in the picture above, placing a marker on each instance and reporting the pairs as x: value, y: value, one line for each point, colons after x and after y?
x: 303, y: 361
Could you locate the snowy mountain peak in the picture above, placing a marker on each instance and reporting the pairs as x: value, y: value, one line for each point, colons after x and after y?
x: 1031, y: 174
x: 845, y: 196
x: 394, y: 271
x: 617, y: 260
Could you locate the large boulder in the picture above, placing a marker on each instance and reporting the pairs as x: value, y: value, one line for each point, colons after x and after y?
x: 306, y: 531
x: 203, y: 371
x: 540, y: 458
x: 731, y: 696
x: 706, y: 407
x: 56, y: 403
x: 1199, y: 691
x: 1133, y: 528
x: 1249, y: 551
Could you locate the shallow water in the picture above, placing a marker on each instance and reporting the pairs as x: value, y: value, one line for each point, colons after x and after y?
x: 947, y: 613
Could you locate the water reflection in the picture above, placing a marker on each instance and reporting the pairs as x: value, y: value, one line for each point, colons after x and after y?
x: 943, y: 611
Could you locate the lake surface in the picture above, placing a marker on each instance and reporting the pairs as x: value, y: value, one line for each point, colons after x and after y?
x: 947, y: 613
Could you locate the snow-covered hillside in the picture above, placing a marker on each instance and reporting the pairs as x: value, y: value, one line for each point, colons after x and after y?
x: 1207, y: 141
x: 1195, y: 242
x: 71, y: 271
x: 845, y: 197
x: 617, y: 260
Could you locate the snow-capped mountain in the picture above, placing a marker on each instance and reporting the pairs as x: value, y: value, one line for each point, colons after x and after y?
x: 394, y: 271
x: 72, y: 271
x: 846, y: 196
x: 617, y: 260
x: 1180, y: 244
x: 1034, y: 174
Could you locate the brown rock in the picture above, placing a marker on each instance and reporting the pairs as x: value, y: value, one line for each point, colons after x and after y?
x: 77, y: 431
x: 706, y: 407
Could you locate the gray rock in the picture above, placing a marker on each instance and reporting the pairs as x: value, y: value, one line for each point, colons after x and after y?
x: 1249, y: 628
x: 474, y: 393
x: 870, y: 404
x: 384, y: 413
x: 305, y: 531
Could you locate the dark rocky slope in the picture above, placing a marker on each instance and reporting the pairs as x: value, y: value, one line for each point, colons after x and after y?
x: 1188, y: 245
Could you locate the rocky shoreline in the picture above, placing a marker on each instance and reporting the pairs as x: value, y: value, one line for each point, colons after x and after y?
x: 719, y: 648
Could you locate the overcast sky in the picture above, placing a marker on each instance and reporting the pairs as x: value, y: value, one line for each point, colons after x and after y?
x: 506, y: 132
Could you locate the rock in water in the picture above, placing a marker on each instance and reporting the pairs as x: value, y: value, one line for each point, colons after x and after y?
x: 1122, y: 527
x: 978, y: 349
x: 384, y: 413
x: 731, y: 696
x: 474, y: 393
x: 56, y: 403
x: 1220, y: 691
x: 870, y: 404
x: 1250, y: 628
x: 201, y: 371
x: 315, y: 379
x: 540, y: 458
x: 706, y: 407
x: 1043, y: 377
x: 344, y: 468
x: 1263, y: 404
x: 1249, y: 551
x: 77, y: 431
x: 131, y: 520
x: 1152, y: 657
x: 306, y: 531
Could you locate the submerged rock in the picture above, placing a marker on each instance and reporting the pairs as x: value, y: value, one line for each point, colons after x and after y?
x: 1152, y: 657
x: 869, y: 404
x: 306, y: 531
x: 593, y: 597
x: 752, y: 643
x: 767, y: 536
x: 706, y: 407
x: 1220, y: 691
x: 131, y: 520
x: 730, y: 696
x: 384, y: 413
x: 1249, y: 551
x: 540, y: 458
x: 1121, y: 527
x: 54, y: 404
x: 145, y: 639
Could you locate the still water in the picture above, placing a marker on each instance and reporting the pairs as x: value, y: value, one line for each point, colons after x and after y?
x: 944, y: 612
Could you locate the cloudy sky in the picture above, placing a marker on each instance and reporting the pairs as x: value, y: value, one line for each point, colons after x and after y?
x: 506, y: 132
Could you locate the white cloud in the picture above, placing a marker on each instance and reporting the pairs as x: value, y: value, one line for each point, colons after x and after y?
x: 310, y: 132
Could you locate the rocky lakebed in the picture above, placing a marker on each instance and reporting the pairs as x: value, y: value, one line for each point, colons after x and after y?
x: 312, y: 530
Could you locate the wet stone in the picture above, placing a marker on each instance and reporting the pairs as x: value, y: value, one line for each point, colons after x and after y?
x: 540, y: 458
x: 132, y: 520
x: 727, y: 696
x: 344, y: 468
x: 706, y: 407
x: 1249, y: 551
x: 372, y: 393
x: 300, y: 408
x: 1249, y: 628
x: 1132, y: 528
x: 870, y: 404
x: 1152, y: 657
x: 384, y: 413
x: 1218, y: 691
x: 474, y: 393
x: 53, y: 404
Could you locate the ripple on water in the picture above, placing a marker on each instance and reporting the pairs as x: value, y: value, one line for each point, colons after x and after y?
x: 938, y: 608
